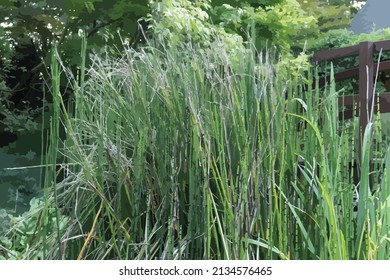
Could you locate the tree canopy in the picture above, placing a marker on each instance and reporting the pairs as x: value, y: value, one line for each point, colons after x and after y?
x: 30, y: 28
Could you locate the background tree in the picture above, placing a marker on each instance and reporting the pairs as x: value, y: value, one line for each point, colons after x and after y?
x: 283, y: 23
x: 32, y: 27
x: 29, y: 28
x: 331, y: 14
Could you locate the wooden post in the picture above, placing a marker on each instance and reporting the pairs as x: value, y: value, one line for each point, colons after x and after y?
x: 366, y: 86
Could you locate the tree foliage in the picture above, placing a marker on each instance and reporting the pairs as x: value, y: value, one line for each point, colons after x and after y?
x: 32, y: 27
x: 29, y: 29
x: 283, y: 23
x: 330, y: 14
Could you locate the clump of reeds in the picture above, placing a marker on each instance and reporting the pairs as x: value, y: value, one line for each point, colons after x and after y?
x: 171, y: 152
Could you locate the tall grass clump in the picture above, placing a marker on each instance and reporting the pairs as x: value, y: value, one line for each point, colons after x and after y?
x: 173, y: 152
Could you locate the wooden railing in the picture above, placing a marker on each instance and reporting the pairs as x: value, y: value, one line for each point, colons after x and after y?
x: 362, y: 103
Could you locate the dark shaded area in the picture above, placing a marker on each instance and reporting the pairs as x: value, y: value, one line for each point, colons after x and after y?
x: 24, y: 84
x: 24, y: 78
x: 7, y: 138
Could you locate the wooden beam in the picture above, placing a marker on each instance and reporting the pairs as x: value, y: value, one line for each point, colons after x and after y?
x: 340, y: 76
x: 348, y: 51
x: 381, y: 103
x: 335, y: 53
x: 384, y: 45
x: 354, y: 72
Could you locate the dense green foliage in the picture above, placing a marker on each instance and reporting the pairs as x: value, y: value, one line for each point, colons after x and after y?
x: 192, y: 132
x: 330, y: 15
